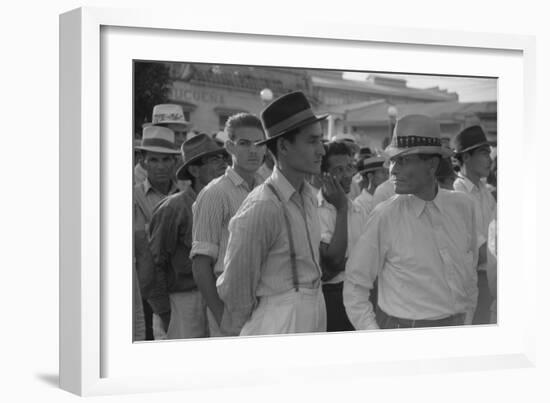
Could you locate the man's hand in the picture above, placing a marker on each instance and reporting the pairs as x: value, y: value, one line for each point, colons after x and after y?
x: 165, y: 317
x: 333, y: 192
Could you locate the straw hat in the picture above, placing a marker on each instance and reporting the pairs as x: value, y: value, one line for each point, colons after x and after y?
x: 416, y: 134
x: 159, y: 140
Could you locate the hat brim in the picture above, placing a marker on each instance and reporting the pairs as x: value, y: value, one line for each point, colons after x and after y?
x: 294, y: 127
x: 485, y: 143
x: 182, y: 173
x: 160, y: 150
x: 174, y: 122
x: 394, y: 151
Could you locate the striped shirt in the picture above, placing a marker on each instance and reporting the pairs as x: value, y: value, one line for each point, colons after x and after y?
x: 424, y: 254
x: 485, y: 202
x: 357, y: 218
x: 257, y: 261
x: 216, y: 204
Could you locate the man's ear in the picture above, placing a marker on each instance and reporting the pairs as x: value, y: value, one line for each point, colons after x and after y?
x: 230, y: 146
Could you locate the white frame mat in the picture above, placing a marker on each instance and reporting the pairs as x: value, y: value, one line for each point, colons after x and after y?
x: 97, y: 47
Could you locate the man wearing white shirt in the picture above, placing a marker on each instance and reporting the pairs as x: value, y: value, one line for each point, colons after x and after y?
x: 342, y: 222
x: 374, y: 173
x: 473, y: 153
x: 421, y: 244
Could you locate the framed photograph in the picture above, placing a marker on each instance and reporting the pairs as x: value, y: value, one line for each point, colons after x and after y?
x: 99, y: 49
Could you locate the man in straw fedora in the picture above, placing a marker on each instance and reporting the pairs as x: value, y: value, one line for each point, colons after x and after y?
x: 180, y: 310
x: 473, y: 153
x: 218, y: 202
x: 172, y: 117
x: 421, y: 243
x: 271, y: 278
x: 158, y: 154
x: 374, y: 172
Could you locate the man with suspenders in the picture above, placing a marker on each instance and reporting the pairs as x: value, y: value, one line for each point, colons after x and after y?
x: 271, y: 279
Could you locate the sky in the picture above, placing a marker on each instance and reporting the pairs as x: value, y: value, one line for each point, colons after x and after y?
x: 468, y: 89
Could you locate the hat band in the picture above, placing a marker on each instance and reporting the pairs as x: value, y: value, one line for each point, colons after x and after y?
x: 415, y: 141
x: 290, y: 122
x: 161, y: 117
x: 156, y: 142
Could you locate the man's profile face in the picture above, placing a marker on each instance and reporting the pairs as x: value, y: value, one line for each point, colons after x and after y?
x: 479, y: 161
x: 159, y: 167
x: 410, y: 174
x: 306, y: 152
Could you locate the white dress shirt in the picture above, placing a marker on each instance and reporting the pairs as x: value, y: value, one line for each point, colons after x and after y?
x: 424, y: 254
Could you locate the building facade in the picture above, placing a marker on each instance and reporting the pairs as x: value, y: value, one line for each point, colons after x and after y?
x: 209, y: 94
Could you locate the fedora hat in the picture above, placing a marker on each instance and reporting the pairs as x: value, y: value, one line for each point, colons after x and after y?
x: 164, y: 114
x: 469, y: 139
x: 288, y: 112
x: 370, y: 164
x: 199, y: 146
x: 158, y: 139
x: 416, y: 134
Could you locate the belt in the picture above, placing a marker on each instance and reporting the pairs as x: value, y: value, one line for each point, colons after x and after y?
x: 453, y: 320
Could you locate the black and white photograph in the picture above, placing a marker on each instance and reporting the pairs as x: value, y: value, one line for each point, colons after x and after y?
x: 271, y: 200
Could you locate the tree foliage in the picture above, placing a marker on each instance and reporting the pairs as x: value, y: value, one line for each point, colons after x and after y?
x: 152, y: 84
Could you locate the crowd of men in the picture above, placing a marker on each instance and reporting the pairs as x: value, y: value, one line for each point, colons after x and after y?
x: 268, y: 228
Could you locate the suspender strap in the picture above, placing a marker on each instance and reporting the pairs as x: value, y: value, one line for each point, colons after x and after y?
x: 290, y: 239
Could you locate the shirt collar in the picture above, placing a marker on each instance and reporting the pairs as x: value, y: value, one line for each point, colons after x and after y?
x: 238, y: 180
x: 285, y: 187
x: 418, y: 205
x: 148, y: 187
x: 467, y: 182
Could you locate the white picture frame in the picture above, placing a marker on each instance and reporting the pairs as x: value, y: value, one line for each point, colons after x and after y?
x: 97, y: 356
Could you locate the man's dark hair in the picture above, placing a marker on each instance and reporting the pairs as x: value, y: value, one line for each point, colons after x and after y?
x: 289, y: 136
x: 460, y: 157
x: 241, y: 120
x: 334, y: 148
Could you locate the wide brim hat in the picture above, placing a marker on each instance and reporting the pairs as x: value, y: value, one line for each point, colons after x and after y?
x: 416, y: 134
x: 165, y: 114
x: 469, y: 139
x: 370, y: 164
x: 199, y: 146
x: 158, y: 139
x: 288, y: 112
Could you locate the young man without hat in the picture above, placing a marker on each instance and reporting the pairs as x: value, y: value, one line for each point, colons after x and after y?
x: 473, y: 154
x: 218, y: 202
x: 421, y: 244
x: 342, y: 222
x: 180, y: 311
x: 271, y: 279
x: 158, y: 154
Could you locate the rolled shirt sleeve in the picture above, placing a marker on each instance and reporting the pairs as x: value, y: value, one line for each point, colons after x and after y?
x: 252, y: 232
x: 208, y: 221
